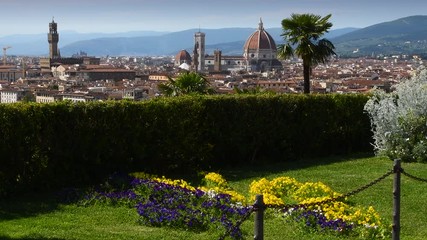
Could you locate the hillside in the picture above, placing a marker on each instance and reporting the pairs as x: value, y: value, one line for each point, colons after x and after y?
x: 402, y: 36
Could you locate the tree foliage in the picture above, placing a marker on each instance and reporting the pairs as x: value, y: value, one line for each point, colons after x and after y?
x: 186, y: 83
x: 302, y: 33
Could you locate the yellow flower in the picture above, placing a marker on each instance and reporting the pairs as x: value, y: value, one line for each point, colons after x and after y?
x: 283, y: 186
x: 217, y: 183
x: 177, y: 183
x: 235, y: 196
x: 261, y: 186
x: 215, y: 179
x: 270, y: 199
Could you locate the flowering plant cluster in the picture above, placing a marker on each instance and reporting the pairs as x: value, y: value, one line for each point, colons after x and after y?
x: 175, y: 203
x: 215, y: 182
x: 164, y: 204
x: 160, y: 201
x: 335, y: 215
x: 315, y: 219
x: 399, y: 121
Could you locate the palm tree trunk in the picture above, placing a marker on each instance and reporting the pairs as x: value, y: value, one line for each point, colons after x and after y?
x: 306, y: 77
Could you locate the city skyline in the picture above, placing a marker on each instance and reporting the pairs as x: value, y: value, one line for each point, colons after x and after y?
x: 24, y: 17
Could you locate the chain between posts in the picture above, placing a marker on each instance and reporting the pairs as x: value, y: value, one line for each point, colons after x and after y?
x: 412, y: 176
x: 329, y: 200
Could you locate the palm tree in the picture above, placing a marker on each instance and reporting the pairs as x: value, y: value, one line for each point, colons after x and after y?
x: 303, y: 31
x: 186, y: 83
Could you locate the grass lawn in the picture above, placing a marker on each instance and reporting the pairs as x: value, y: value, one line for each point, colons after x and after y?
x: 41, y: 217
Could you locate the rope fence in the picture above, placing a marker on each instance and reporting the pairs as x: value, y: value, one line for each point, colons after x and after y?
x: 259, y: 207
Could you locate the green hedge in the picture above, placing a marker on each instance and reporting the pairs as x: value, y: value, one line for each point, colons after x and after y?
x: 66, y: 144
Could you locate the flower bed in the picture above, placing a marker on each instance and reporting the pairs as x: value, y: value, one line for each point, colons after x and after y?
x: 163, y: 202
x: 336, y: 215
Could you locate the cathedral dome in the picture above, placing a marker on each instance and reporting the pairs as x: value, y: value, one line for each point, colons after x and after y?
x: 182, y: 57
x: 260, y: 52
x: 260, y: 39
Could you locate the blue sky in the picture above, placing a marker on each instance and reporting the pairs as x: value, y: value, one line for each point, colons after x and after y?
x: 28, y: 17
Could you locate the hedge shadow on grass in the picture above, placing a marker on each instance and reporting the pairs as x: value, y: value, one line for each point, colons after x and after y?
x: 27, y: 205
x: 253, y: 171
x: 3, y: 237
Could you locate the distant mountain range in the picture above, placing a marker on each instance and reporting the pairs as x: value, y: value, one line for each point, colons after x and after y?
x: 36, y: 44
x: 229, y: 40
x: 402, y: 36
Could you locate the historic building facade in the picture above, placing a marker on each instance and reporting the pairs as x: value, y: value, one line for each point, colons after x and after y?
x: 260, y: 51
x: 259, y: 55
x: 55, y: 59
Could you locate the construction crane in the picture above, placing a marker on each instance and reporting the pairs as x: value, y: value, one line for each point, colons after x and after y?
x: 4, y: 55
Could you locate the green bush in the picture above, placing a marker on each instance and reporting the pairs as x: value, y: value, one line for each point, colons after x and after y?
x: 279, y: 128
x: 399, y: 119
x: 66, y: 144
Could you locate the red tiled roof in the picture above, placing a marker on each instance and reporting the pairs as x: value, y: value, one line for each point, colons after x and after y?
x: 183, y: 55
x: 260, y: 39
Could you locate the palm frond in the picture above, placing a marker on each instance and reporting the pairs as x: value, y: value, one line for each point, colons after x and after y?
x: 324, y: 49
x: 186, y: 83
x: 285, y: 51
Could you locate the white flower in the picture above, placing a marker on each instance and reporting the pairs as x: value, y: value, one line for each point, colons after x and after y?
x: 211, y: 193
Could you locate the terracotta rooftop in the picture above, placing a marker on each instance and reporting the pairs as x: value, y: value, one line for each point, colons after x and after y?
x: 260, y: 39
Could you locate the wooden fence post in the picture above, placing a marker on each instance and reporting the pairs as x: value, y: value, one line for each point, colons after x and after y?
x: 396, y: 201
x: 259, y: 218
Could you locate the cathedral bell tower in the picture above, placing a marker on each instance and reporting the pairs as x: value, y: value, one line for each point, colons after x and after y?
x: 199, y: 52
x: 53, y: 38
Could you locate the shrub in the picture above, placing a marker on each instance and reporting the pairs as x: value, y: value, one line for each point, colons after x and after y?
x: 398, y: 119
x: 80, y: 144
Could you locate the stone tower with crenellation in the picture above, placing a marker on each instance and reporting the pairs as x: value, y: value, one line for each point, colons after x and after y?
x: 54, y: 58
x: 53, y: 39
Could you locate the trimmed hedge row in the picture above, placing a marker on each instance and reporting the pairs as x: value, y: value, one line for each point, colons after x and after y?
x: 66, y: 144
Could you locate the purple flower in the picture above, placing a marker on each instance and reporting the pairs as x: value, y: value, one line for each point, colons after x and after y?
x: 160, y: 204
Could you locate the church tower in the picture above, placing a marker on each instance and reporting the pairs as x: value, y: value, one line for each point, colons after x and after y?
x: 199, y: 49
x: 217, y: 60
x: 53, y: 38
